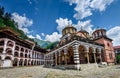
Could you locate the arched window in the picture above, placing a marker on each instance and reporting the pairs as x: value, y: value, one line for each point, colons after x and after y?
x: 82, y: 54
x: 108, y: 44
x: 1, y: 50
x: 25, y: 55
x: 21, y: 54
x: 22, y: 49
x: 9, y: 51
x: 98, y: 34
x: 25, y: 62
x: 10, y: 43
x: 1, y: 42
x: 16, y: 48
x: 15, y: 62
x: 26, y: 51
x: 0, y: 58
x: 16, y: 54
x: 21, y: 62
x: 70, y: 55
x: 7, y: 58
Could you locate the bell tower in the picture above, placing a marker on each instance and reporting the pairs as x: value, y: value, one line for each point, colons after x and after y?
x: 100, y: 36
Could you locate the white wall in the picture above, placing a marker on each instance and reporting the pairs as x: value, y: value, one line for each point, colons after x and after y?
x: 7, y: 63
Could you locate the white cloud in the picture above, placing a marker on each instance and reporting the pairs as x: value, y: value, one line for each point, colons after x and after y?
x: 37, y: 36
x: 53, y: 37
x: 100, y: 4
x: 30, y: 2
x: 114, y: 34
x: 62, y: 23
x: 31, y: 36
x: 22, y: 21
x: 84, y: 8
x: 43, y: 34
x: 86, y: 25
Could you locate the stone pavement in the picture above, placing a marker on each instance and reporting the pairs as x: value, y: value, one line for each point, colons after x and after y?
x: 40, y: 72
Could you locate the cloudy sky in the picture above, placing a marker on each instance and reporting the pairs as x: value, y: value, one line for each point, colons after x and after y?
x: 44, y: 19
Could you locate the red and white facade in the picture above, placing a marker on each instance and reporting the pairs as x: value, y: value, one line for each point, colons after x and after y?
x: 18, y: 52
x: 79, y: 47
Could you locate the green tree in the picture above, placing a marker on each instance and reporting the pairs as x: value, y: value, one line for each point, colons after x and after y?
x: 1, y: 23
x: 1, y: 11
x: 118, y: 58
x: 5, y: 20
x: 7, y: 16
x: 52, y: 45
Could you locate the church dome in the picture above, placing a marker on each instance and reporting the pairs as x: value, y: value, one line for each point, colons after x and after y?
x: 83, y: 33
x: 99, y: 33
x: 69, y: 29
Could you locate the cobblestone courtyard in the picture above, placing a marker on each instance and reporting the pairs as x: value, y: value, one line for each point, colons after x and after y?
x: 40, y: 72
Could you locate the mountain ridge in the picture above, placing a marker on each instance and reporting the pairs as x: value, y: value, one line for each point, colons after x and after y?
x: 46, y: 44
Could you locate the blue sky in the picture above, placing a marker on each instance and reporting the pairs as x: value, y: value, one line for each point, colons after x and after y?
x: 44, y: 19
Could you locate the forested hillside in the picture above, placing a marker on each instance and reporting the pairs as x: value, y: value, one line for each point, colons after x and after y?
x: 6, y: 21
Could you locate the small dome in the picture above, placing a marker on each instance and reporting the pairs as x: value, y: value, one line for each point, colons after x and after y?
x: 83, y: 31
x: 99, y: 33
x: 69, y: 29
x: 99, y: 30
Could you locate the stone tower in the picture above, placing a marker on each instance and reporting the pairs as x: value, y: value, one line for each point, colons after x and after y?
x: 100, y: 36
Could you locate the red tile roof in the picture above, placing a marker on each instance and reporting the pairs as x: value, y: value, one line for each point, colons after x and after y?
x: 116, y: 47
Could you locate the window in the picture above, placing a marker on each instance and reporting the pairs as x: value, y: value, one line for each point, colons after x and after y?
x: 98, y: 34
x: 69, y: 30
x: 108, y: 44
x: 110, y: 56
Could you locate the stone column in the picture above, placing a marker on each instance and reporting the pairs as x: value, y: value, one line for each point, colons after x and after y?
x: 24, y: 53
x: 28, y: 55
x: 32, y: 50
x: 55, y: 58
x: 13, y: 49
x: 65, y: 53
x: 87, y: 51
x: 65, y: 58
x: 76, y: 56
x: 33, y: 62
x: 59, y: 58
x: 35, y: 55
x: 27, y: 63
x: 100, y: 55
x: 52, y: 59
x: 23, y: 63
x: 45, y: 60
x: 94, y: 55
x: 18, y: 62
x: 19, y: 51
x: 5, y: 46
x: 2, y: 62
x: 49, y: 59
x: 40, y: 62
